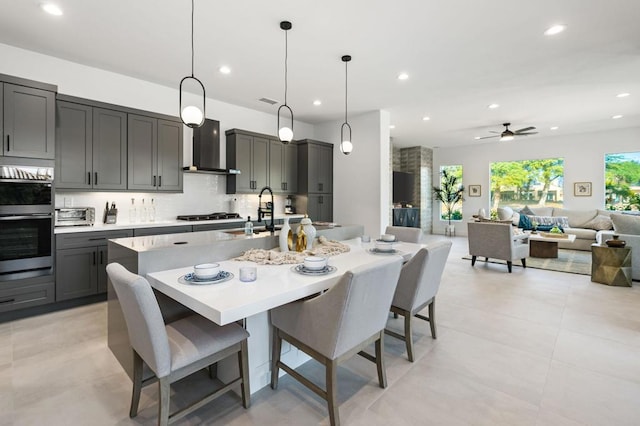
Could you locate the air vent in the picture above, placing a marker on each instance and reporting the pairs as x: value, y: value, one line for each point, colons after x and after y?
x: 268, y: 101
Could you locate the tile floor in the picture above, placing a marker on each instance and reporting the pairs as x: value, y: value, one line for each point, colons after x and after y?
x: 528, y: 348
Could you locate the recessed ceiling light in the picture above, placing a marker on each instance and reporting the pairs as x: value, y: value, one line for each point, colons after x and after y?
x: 403, y: 76
x: 317, y: 102
x: 392, y: 126
x: 622, y: 95
x: 556, y: 29
x: 554, y: 128
x: 426, y: 118
x: 493, y: 106
x: 51, y: 9
x: 615, y: 117
x: 224, y: 69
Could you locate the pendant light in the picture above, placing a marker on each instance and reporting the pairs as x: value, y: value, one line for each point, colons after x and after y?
x: 285, y: 134
x: 192, y: 115
x: 345, y: 140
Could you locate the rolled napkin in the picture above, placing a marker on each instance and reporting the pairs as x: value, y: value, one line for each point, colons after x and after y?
x: 324, y: 247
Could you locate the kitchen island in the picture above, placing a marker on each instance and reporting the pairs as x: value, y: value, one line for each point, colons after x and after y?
x: 145, y: 255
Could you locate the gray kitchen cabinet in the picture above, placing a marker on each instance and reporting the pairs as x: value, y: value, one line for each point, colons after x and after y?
x: 320, y: 207
x: 161, y: 230
x: 315, y: 167
x: 154, y: 154
x: 28, y: 122
x: 219, y: 226
x: 91, y: 150
x: 27, y: 293
x: 249, y: 153
x: 283, y: 167
x: 81, y: 259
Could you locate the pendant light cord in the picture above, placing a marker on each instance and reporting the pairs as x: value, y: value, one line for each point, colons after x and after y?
x: 192, y: 48
x: 346, y: 88
x: 286, y: 56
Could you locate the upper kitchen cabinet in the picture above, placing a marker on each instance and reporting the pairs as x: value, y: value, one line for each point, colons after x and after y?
x: 249, y: 153
x: 91, y: 148
x: 27, y: 118
x: 315, y: 167
x: 283, y: 167
x: 154, y: 154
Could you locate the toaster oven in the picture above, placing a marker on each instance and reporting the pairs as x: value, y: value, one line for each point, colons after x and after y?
x: 75, y: 216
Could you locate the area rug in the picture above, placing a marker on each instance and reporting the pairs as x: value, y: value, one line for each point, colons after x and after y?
x: 571, y: 261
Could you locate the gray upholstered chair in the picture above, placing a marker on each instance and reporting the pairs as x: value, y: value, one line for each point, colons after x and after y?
x: 417, y: 288
x: 175, y: 350
x: 402, y: 233
x: 497, y: 241
x: 337, y: 324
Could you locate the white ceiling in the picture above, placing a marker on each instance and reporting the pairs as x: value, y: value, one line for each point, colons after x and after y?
x: 461, y: 55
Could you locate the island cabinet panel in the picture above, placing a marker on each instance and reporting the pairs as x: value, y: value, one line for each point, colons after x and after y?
x: 28, y: 122
x: 248, y: 153
x: 154, y: 154
x: 109, y: 149
x: 74, y: 145
x: 81, y: 261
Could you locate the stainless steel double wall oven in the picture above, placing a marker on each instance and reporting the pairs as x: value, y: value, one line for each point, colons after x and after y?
x: 26, y: 221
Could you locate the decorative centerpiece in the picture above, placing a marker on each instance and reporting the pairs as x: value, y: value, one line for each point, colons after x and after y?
x: 534, y: 227
x: 286, y: 236
x: 308, y: 231
x: 615, y: 241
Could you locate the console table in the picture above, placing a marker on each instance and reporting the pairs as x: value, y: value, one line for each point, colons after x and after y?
x: 611, y: 265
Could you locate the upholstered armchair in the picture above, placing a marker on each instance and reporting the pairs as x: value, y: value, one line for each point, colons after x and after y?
x: 497, y: 241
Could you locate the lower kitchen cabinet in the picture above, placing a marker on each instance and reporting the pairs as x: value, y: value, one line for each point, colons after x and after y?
x: 27, y: 293
x: 81, y: 261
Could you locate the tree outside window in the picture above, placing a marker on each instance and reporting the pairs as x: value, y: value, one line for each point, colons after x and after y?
x: 622, y: 181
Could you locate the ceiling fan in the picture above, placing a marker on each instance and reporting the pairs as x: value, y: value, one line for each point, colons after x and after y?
x: 508, y: 135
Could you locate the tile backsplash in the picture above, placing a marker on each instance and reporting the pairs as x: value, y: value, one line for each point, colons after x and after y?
x: 203, y: 193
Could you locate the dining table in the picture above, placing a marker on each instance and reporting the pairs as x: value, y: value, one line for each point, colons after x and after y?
x: 232, y: 300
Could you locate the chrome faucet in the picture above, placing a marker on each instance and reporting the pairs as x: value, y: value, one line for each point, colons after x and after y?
x: 261, y: 213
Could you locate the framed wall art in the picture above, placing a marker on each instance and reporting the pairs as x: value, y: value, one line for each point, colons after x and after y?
x: 475, y: 190
x: 582, y: 189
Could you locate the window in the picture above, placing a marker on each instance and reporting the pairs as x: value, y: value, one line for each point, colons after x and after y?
x: 450, y: 194
x: 528, y: 182
x: 622, y: 181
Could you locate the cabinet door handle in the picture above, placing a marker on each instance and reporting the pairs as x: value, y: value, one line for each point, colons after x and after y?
x: 102, y: 258
x: 8, y: 144
x: 97, y: 239
x: 95, y: 178
x: 88, y: 178
x: 154, y: 180
x: 7, y: 301
x: 159, y: 181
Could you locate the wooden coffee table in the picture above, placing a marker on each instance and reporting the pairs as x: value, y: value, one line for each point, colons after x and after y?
x: 545, y: 246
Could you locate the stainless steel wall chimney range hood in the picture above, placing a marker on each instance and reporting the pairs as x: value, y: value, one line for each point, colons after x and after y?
x: 206, y: 150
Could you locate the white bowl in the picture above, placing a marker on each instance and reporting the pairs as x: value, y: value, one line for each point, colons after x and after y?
x: 384, y: 245
x: 387, y: 237
x: 206, y: 270
x: 315, y: 263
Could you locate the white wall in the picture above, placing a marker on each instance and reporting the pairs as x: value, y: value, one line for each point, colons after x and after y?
x: 361, y: 179
x: 583, y: 162
x: 202, y: 193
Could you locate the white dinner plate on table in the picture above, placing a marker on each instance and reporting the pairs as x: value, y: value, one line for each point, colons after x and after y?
x: 378, y: 251
x: 192, y: 279
x: 304, y: 271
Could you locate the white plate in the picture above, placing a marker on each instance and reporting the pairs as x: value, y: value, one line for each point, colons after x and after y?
x: 304, y: 271
x: 192, y: 279
x: 376, y: 251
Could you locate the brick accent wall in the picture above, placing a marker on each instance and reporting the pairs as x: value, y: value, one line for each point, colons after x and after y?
x: 418, y: 160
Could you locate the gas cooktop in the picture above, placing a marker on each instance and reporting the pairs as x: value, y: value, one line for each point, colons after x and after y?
x: 211, y: 216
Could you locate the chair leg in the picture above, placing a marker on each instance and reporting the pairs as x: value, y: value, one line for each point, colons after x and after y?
x: 275, y: 358
x: 382, y: 373
x: 137, y: 384
x: 408, y: 336
x: 473, y: 260
x: 243, y: 364
x: 524, y: 262
x: 332, y: 391
x: 163, y: 404
x: 432, y: 318
x: 509, y: 265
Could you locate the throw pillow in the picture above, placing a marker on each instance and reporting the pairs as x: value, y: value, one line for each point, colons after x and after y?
x: 599, y: 223
x: 526, y: 210
x: 562, y: 221
x: 626, y: 224
x: 525, y: 222
x: 505, y: 213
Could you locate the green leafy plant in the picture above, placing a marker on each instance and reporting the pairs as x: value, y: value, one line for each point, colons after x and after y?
x: 449, y: 193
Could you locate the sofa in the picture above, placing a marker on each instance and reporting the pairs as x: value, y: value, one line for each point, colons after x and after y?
x: 584, y: 224
x: 628, y: 228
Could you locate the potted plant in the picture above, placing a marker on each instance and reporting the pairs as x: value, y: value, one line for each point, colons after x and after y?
x: 449, y: 194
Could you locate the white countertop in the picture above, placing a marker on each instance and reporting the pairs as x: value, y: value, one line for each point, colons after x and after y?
x: 276, y: 284
x: 127, y: 225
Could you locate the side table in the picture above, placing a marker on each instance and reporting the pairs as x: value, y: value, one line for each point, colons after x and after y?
x: 611, y: 265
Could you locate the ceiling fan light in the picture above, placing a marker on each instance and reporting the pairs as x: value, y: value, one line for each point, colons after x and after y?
x: 506, y: 138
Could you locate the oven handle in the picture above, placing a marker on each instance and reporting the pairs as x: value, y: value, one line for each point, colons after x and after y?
x: 31, y: 216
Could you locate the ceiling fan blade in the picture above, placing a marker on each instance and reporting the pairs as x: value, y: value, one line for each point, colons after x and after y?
x: 493, y: 131
x: 526, y: 134
x: 526, y: 129
x: 489, y: 137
